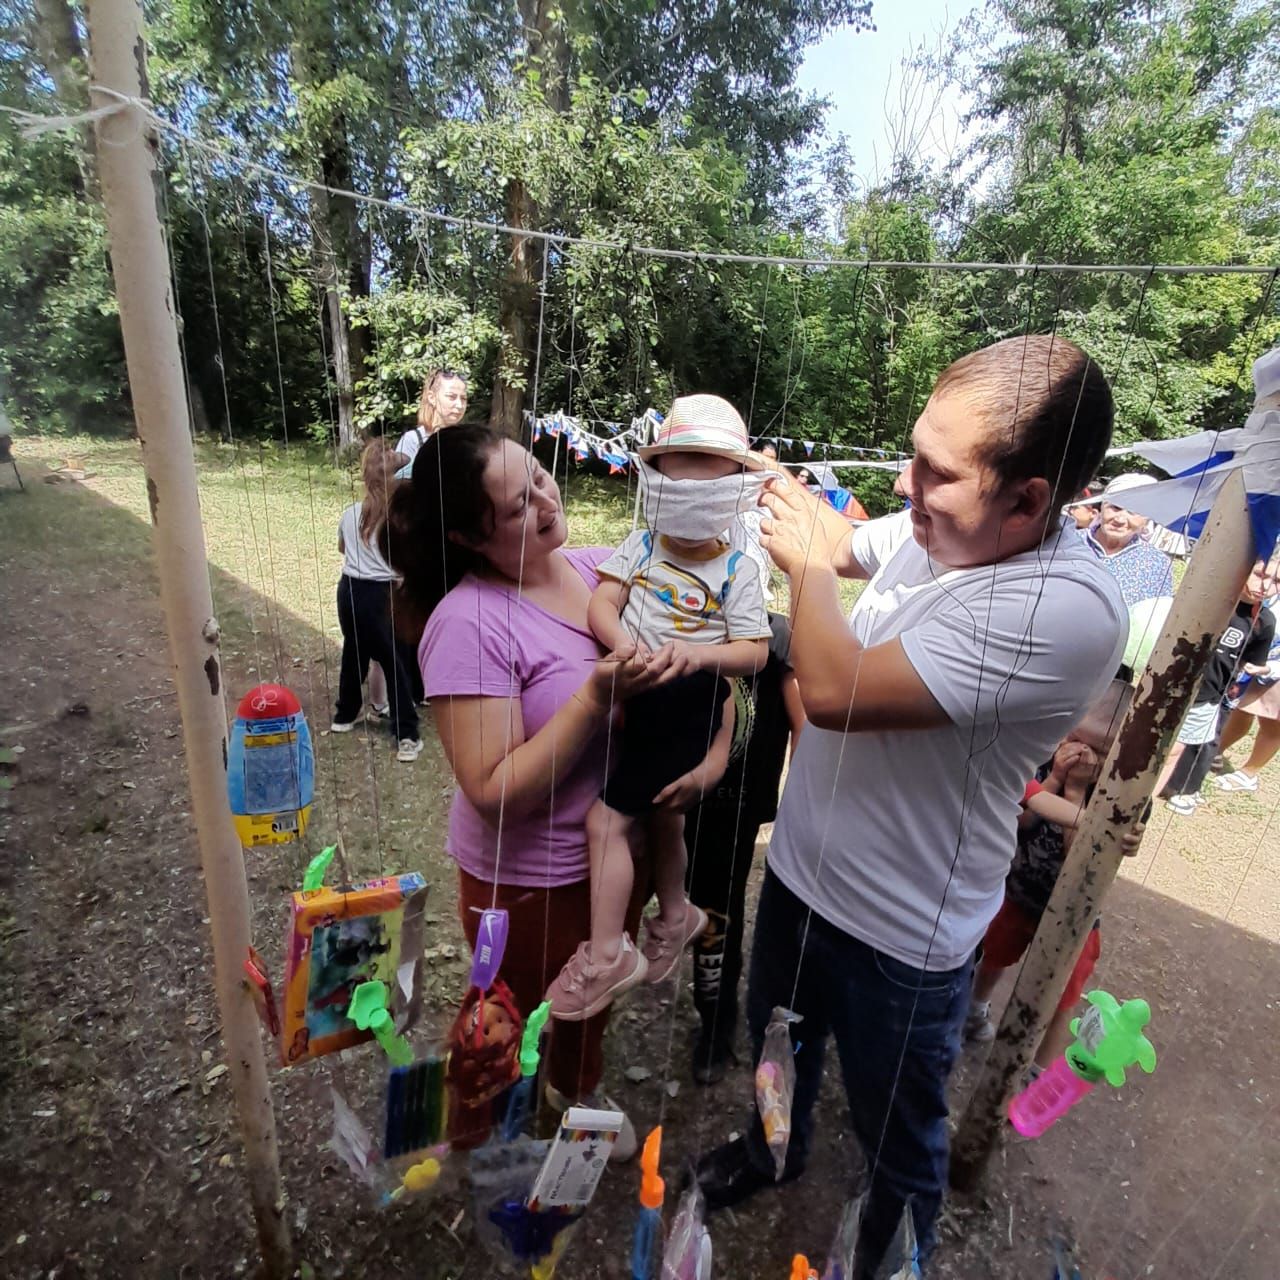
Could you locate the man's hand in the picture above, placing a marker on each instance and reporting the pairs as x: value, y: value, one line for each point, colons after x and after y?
x: 802, y: 531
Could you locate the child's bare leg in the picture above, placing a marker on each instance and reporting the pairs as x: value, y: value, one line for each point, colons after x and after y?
x: 1057, y: 1036
x: 1238, y: 725
x: 678, y: 921
x: 985, y: 981
x: 1265, y: 746
x: 377, y: 685
x: 608, y: 841
x: 667, y: 851
x: 1169, y: 766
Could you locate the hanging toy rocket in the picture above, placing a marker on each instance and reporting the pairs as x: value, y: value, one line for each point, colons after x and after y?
x: 270, y: 767
x: 1107, y: 1040
x: 649, y: 1222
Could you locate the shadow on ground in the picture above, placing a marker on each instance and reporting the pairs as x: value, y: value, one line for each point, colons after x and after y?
x: 118, y: 1147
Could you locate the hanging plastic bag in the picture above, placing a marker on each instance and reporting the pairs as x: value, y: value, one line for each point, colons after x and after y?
x: 502, y: 1178
x: 776, y: 1085
x: 688, y: 1252
x: 900, y: 1259
x: 484, y: 1049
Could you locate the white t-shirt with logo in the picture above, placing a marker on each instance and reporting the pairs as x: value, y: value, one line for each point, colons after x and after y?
x: 708, y: 599
x: 361, y: 559
x: 903, y: 838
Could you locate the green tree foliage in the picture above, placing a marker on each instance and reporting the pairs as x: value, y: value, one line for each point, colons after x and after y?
x: 1101, y: 131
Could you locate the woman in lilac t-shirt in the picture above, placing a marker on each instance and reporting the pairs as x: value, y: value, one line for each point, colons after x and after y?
x: 521, y: 700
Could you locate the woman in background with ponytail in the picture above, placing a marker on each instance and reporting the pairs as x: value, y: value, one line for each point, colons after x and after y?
x: 364, y: 610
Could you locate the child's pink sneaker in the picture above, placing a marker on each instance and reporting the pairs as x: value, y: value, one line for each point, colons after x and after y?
x: 583, y: 989
x: 663, y: 943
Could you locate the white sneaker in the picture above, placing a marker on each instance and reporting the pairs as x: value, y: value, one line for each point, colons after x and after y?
x: 380, y: 710
x: 409, y: 750
x: 1185, y: 805
x: 1237, y: 780
x: 344, y: 726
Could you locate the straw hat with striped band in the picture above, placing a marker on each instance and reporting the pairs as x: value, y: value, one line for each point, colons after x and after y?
x: 705, y: 424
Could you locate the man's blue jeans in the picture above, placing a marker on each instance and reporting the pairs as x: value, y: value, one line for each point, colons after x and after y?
x: 897, y: 1030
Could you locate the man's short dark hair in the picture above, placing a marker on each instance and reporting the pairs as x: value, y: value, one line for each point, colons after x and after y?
x: 1048, y: 405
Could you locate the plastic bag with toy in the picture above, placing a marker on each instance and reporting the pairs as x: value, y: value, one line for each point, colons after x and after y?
x: 776, y: 1085
x: 899, y: 1261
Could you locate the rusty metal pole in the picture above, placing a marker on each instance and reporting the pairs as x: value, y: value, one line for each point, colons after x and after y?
x: 140, y: 264
x: 1203, y: 606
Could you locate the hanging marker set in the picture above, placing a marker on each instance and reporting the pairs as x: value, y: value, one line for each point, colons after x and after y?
x: 416, y: 1108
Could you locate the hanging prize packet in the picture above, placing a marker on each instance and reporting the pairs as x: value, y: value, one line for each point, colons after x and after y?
x: 340, y: 939
x: 270, y: 767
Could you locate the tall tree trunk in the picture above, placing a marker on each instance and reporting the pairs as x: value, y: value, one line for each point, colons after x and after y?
x: 340, y: 257
x: 57, y: 43
x: 517, y: 313
x: 335, y: 315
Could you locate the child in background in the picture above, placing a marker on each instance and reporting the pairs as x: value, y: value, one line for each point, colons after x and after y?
x: 364, y: 609
x: 1051, y: 811
x: 1244, y: 645
x: 679, y: 594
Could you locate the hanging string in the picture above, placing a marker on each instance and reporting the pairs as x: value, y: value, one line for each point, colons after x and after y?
x: 32, y: 124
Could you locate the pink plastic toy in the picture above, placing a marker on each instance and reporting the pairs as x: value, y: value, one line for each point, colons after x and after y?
x: 1108, y: 1039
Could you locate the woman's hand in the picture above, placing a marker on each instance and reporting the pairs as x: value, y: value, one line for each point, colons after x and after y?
x: 628, y: 670
x: 802, y: 530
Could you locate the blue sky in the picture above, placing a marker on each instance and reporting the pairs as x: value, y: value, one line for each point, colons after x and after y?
x: 861, y: 73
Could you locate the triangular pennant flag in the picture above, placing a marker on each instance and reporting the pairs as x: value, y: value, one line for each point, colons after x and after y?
x: 808, y: 448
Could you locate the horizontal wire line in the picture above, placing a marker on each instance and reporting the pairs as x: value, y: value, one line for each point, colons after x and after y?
x: 37, y: 123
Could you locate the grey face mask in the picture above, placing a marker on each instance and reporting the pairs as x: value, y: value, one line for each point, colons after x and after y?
x: 696, y: 510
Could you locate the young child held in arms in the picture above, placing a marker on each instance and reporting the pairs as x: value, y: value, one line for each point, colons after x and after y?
x: 1051, y: 810
x: 678, y: 595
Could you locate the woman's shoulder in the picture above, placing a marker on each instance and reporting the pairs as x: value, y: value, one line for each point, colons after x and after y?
x: 588, y: 557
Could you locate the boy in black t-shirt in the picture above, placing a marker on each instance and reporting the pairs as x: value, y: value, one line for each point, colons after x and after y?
x: 1243, y: 646
x: 720, y: 836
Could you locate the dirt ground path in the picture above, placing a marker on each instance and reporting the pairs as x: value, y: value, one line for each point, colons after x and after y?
x: 118, y: 1152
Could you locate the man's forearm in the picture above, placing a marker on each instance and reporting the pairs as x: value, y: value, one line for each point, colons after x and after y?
x: 824, y: 654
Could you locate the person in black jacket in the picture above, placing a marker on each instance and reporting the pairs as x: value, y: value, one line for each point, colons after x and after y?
x: 720, y: 836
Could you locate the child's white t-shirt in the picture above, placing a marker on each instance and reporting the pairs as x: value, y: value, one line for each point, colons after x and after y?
x: 708, y: 599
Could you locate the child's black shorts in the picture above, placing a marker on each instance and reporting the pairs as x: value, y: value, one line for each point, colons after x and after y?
x: 666, y: 732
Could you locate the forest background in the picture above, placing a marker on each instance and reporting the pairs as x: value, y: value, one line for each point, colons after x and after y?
x: 1098, y: 132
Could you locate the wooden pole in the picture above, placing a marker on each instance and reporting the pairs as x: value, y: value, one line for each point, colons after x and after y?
x: 140, y: 265
x: 1201, y: 610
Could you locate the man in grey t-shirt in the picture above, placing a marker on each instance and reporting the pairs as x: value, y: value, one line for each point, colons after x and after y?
x: 983, y: 635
